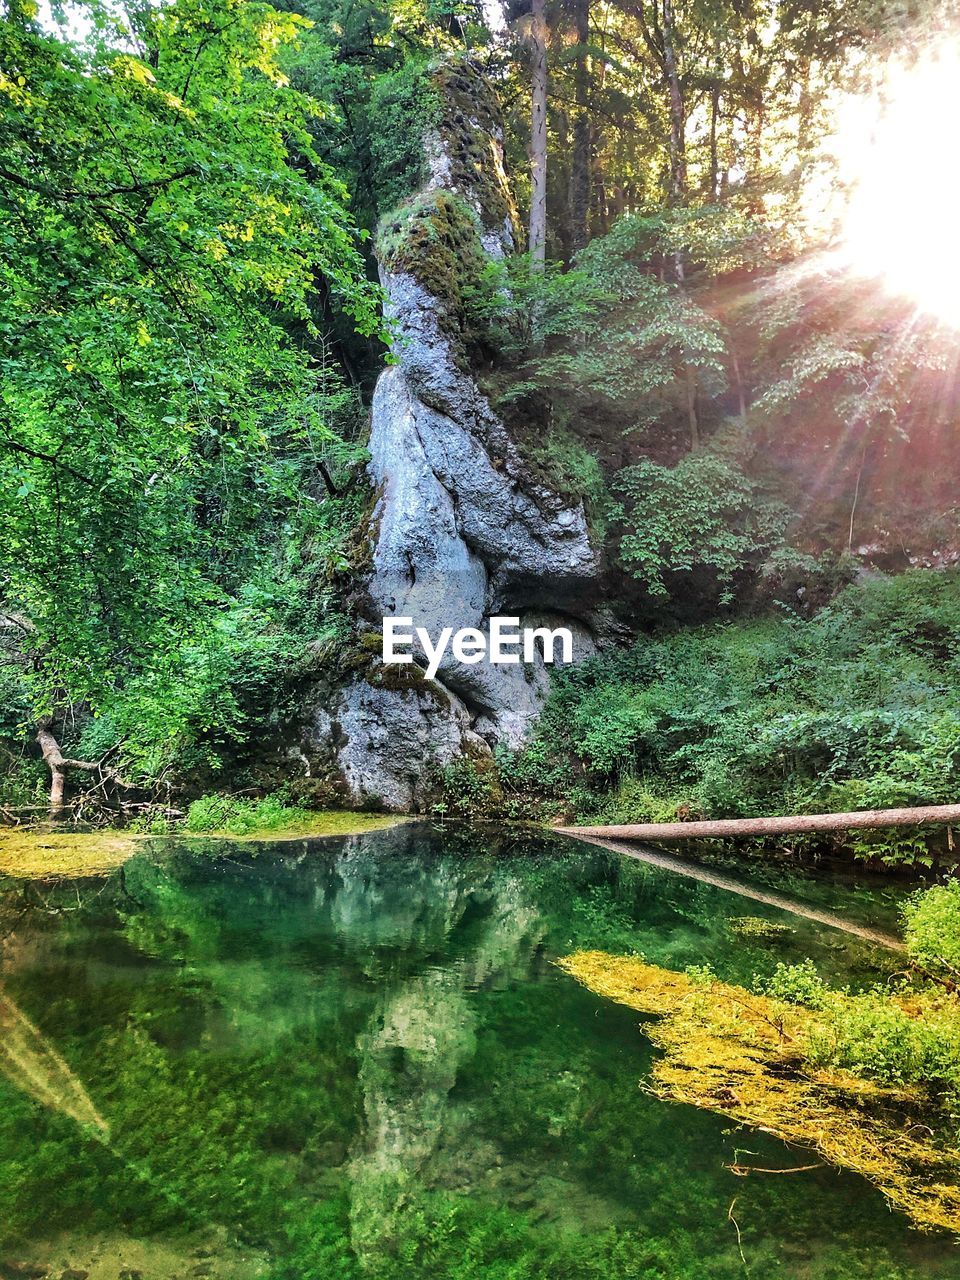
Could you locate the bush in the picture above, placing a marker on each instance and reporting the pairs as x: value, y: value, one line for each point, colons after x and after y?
x: 404, y: 103
x: 932, y: 928
x: 795, y: 983
x: 858, y: 707
x: 703, y: 513
x: 893, y: 1042
x: 467, y: 789
x: 238, y: 816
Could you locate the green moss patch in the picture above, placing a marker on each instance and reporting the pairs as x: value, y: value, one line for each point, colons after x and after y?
x: 435, y: 237
x: 331, y: 822
x: 470, y: 126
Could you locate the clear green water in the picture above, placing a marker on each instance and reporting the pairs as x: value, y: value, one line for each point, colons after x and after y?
x: 354, y: 1058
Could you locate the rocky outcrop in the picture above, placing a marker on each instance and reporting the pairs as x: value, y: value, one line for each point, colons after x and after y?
x: 462, y: 530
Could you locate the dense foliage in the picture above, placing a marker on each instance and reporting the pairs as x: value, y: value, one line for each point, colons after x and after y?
x: 168, y: 395
x: 856, y: 708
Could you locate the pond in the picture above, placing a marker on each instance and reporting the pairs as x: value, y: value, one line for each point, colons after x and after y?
x: 354, y: 1057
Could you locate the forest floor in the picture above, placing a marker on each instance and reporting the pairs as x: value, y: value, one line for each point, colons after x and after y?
x: 45, y: 852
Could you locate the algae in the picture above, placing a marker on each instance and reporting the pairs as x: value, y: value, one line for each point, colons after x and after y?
x: 727, y: 1050
x: 219, y: 1010
x: 328, y: 822
x: 48, y: 854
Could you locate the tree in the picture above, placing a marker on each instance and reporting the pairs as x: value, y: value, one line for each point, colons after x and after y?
x: 580, y: 166
x: 164, y: 221
x: 538, y: 134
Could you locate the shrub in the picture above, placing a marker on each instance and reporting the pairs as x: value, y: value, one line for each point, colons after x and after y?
x: 239, y: 816
x: 795, y: 983
x: 896, y: 1042
x: 932, y: 928
x: 404, y: 103
x: 858, y: 707
x: 703, y: 513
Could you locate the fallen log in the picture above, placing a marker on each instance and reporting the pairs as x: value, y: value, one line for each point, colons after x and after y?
x: 922, y: 816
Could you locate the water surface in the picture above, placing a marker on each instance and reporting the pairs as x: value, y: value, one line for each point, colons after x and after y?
x: 354, y: 1058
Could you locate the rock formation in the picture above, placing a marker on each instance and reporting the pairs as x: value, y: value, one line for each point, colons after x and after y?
x: 462, y: 530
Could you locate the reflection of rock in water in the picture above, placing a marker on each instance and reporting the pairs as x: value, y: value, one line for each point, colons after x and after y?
x: 424, y: 1031
x: 410, y: 1055
x: 30, y: 1062
x: 404, y: 900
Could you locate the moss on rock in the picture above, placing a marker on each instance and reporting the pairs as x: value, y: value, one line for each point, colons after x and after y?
x: 471, y: 132
x: 435, y: 238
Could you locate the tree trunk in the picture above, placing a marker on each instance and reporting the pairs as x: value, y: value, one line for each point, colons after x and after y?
x: 754, y: 148
x: 693, y: 421
x: 738, y: 380
x: 714, y: 161
x: 678, y: 158
x: 580, y: 180
x: 538, y: 136
x: 53, y: 758
x: 921, y: 816
x: 58, y: 764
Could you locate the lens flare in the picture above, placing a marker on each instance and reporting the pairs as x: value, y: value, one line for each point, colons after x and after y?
x: 894, y: 149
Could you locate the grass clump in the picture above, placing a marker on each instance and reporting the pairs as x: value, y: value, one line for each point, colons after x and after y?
x: 274, y: 815
x: 795, y: 1072
x: 240, y: 816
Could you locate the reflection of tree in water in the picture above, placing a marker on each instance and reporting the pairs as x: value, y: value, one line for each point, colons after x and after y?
x: 423, y: 1029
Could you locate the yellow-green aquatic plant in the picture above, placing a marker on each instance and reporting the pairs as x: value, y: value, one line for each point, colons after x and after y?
x: 745, y: 1056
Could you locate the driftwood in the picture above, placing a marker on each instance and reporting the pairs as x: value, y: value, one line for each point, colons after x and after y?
x: 922, y: 816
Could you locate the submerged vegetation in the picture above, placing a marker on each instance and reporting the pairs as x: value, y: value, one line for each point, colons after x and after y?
x: 63, y: 855
x: 867, y: 1079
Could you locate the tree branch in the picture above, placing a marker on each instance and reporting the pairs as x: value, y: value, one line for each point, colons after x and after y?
x: 40, y: 456
x: 69, y: 194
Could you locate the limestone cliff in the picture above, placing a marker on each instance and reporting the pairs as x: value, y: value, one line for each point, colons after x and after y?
x: 461, y: 530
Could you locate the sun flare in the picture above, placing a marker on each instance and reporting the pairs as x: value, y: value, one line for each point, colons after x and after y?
x: 900, y: 223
